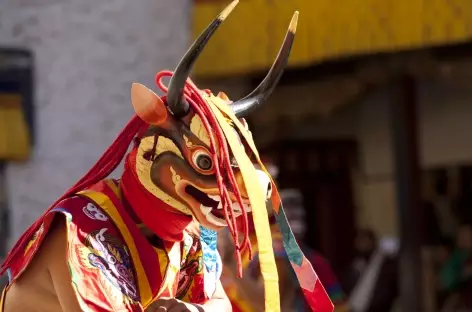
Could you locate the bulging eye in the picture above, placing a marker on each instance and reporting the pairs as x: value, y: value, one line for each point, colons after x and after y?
x: 203, y: 161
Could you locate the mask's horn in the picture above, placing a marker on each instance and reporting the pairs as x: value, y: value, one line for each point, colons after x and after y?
x: 175, y: 100
x: 246, y: 105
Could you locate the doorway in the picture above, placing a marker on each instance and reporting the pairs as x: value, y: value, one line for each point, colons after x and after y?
x: 321, y: 170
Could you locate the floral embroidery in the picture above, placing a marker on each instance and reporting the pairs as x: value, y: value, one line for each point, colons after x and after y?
x: 186, y: 275
x: 108, y: 254
x: 191, y: 275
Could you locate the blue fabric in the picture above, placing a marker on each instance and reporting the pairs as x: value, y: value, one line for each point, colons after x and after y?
x: 209, y: 248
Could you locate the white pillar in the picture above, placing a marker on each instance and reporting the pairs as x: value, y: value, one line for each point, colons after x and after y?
x: 87, y: 54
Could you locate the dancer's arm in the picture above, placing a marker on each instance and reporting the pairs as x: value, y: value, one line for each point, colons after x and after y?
x: 54, y: 249
x: 45, y: 285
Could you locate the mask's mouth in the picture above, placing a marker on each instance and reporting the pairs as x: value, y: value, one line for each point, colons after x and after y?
x: 211, y: 206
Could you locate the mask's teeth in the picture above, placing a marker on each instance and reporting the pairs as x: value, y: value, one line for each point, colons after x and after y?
x: 248, y: 207
x: 215, y: 197
x: 210, y: 217
x: 236, y: 207
x: 205, y: 210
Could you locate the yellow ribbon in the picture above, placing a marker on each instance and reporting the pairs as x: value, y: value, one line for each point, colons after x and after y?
x: 256, y: 197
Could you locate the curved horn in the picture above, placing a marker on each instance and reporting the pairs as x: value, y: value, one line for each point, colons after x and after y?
x: 177, y: 104
x: 261, y: 93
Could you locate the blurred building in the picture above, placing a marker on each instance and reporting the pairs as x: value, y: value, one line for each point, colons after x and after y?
x: 68, y: 66
x: 333, y: 126
x: 375, y: 92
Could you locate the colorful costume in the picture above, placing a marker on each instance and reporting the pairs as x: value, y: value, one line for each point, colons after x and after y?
x: 192, y: 161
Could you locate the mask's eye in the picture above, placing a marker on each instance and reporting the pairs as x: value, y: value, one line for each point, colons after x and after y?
x: 202, y: 160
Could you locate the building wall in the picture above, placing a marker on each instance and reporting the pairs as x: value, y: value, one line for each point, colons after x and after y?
x: 444, y: 129
x: 445, y: 116
x: 87, y: 55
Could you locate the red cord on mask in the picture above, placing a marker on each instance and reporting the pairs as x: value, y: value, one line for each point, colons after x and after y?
x: 222, y: 162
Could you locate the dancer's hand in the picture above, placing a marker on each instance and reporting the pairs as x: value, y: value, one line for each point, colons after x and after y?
x: 219, y: 302
x: 173, y: 305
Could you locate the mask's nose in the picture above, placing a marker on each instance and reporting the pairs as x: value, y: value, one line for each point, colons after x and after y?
x: 264, y: 181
